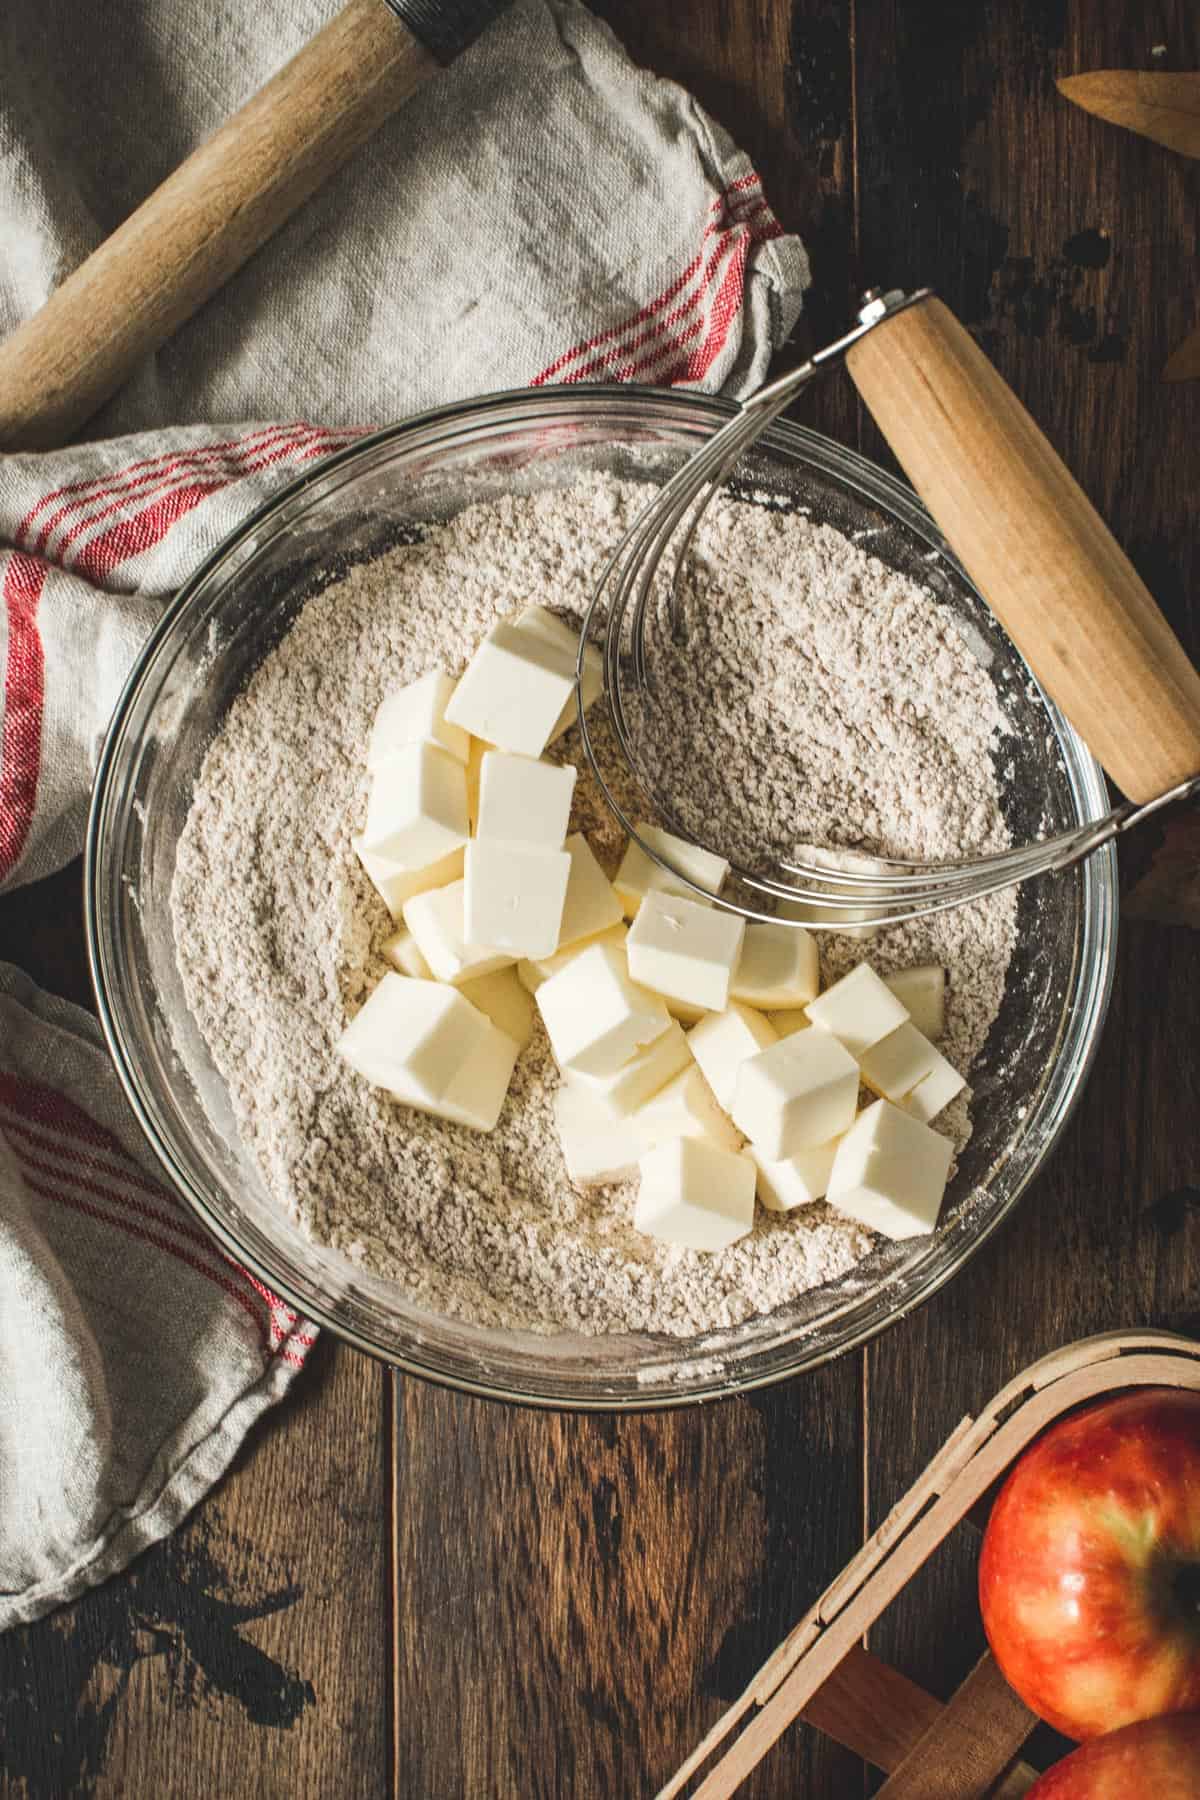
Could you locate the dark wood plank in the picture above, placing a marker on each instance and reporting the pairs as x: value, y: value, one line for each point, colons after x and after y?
x: 778, y: 76
x: 577, y: 1598
x: 41, y: 930
x: 246, y: 1654
x: 247, y: 1651
x: 1064, y: 244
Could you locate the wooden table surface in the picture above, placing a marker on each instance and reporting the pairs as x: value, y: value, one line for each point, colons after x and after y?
x: 401, y: 1591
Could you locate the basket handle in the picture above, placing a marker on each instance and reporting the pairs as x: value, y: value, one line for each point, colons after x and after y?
x: 1034, y: 545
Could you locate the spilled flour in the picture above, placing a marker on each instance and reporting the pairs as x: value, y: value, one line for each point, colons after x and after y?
x: 820, y: 697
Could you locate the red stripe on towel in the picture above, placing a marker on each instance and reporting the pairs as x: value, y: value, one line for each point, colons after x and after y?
x: 739, y: 206
x: 159, y: 1243
x: 53, y: 1111
x: 131, y: 476
x: 24, y: 703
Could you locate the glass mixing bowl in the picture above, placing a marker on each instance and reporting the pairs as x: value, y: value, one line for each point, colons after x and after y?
x: 231, y: 614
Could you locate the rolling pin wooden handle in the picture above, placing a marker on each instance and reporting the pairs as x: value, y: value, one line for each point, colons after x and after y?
x: 204, y: 222
x: 1035, y: 547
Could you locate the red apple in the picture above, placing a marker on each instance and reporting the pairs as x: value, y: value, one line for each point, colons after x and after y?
x: 1089, y: 1579
x: 1159, y: 1757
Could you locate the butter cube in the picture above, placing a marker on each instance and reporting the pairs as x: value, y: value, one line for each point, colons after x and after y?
x: 723, y: 1041
x: 532, y: 971
x: 686, y: 1107
x: 797, y: 1180
x: 412, y: 713
x: 684, y: 951
x: 514, y: 896
x: 858, y: 1010
x: 684, y: 1011
x: 797, y: 1093
x: 839, y: 861
x: 597, y: 1018
x: 524, y: 802
x: 513, y: 692
x: 935, y: 1092
x: 476, y: 1095
x: 591, y: 905
x: 412, y: 1038
x: 923, y: 992
x: 640, y: 875
x: 396, y: 882
x: 556, y: 631
x: 417, y: 806
x: 597, y: 1148
x: 789, y: 1020
x: 551, y: 628
x: 890, y: 1172
x: 436, y: 922
x: 779, y: 967
x: 475, y: 758
x: 695, y: 1195
x: 403, y: 953
x: 641, y: 1077
x: 505, y: 1002
x: 895, y: 1065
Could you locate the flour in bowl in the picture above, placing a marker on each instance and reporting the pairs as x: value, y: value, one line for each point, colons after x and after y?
x: 801, y: 647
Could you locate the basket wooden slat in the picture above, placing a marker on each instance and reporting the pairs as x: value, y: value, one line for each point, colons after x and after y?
x: 969, y: 1745
x: 984, y: 1719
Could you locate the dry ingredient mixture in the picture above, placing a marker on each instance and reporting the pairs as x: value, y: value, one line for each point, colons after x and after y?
x: 817, y: 697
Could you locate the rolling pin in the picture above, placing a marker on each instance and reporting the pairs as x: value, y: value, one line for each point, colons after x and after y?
x: 220, y: 206
x: 1034, y: 545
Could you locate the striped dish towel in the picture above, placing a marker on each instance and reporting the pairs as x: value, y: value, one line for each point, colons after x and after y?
x: 134, y: 1355
x: 543, y: 213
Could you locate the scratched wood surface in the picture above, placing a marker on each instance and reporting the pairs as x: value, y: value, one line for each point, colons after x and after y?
x: 400, y: 1591
x: 1069, y: 247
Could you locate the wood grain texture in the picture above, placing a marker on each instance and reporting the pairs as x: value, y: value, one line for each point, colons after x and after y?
x: 901, y: 1712
x: 1183, y: 364
x: 1164, y: 108
x: 1169, y: 891
x: 1055, y: 243
x: 948, y: 1489
x: 565, y: 1626
x: 577, y: 1598
x: 574, y: 1601
x: 1056, y: 238
x: 245, y: 1655
x: 969, y: 1746
x: 249, y: 1653
x: 779, y: 77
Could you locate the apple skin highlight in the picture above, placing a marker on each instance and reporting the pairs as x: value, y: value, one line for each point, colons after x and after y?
x: 1089, y: 1576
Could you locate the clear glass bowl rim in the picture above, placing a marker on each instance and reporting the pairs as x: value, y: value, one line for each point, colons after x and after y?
x: 529, y: 408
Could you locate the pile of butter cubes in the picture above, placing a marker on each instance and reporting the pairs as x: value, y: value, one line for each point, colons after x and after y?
x: 466, y: 840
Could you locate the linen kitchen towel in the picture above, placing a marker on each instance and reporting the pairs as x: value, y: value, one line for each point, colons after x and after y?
x: 542, y: 212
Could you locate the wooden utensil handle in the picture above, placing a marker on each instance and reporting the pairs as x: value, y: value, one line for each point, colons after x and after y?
x: 204, y: 222
x: 1044, y: 560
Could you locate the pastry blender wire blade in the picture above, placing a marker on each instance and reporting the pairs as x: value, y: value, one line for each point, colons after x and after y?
x: 1030, y: 540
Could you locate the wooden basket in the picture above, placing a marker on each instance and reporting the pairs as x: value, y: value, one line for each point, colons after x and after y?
x: 966, y: 1749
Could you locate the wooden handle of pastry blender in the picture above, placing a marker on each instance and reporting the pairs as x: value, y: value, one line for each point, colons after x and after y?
x: 204, y: 222
x: 1033, y: 544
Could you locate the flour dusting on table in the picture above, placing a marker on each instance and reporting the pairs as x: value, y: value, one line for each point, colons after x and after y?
x: 798, y: 642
